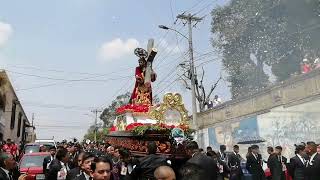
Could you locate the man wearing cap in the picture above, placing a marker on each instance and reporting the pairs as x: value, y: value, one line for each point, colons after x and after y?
x: 7, y: 165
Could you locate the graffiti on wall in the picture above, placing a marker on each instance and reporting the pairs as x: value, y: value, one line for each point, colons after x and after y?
x: 230, y: 133
x: 286, y: 127
x: 281, y: 126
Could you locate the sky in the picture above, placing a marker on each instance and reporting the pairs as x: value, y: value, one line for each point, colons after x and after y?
x: 68, y: 57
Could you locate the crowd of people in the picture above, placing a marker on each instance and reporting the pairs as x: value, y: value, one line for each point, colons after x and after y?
x: 100, y: 161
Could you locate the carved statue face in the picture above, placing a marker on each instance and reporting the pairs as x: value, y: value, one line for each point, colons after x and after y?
x: 142, y: 62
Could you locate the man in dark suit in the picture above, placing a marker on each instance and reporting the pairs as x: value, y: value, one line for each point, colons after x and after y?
x: 58, y: 166
x: 296, y: 167
x: 222, y: 153
x: 7, y: 165
x: 47, y: 160
x: 85, y: 167
x: 234, y: 161
x: 75, y: 172
x: 191, y: 172
x: 147, y: 165
x: 270, y: 151
x: 312, y: 171
x: 223, y: 159
x: 254, y: 164
x: 204, y: 162
x: 277, y: 164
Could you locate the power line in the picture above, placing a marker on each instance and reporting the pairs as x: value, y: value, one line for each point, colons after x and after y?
x: 195, y: 5
x: 52, y: 70
x: 175, y: 80
x: 206, y: 6
x: 62, y: 79
x: 57, y: 126
x: 55, y: 106
x: 118, y: 92
x: 167, y: 55
x: 63, y: 82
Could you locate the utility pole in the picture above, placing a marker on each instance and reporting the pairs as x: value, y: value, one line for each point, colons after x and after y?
x: 32, y: 136
x: 95, y: 111
x: 190, y: 19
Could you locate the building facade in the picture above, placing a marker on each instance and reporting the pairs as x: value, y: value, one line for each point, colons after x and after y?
x: 284, y: 114
x: 14, y: 123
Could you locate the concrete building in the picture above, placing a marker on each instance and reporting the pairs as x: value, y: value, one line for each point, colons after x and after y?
x: 283, y: 114
x: 14, y: 123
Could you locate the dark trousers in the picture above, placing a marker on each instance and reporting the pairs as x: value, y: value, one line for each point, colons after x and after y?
x: 235, y: 174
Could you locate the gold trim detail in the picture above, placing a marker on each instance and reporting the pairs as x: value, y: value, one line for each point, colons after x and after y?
x: 170, y: 101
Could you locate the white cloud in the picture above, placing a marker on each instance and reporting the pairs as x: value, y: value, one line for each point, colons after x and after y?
x: 117, y: 49
x: 5, y: 33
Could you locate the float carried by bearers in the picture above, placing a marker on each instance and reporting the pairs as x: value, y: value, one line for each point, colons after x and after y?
x: 141, y: 121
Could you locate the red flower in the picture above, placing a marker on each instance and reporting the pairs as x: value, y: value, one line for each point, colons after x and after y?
x: 133, y: 125
x: 113, y: 128
x: 133, y: 108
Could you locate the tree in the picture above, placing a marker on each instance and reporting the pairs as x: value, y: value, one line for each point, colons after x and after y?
x: 202, y: 95
x: 109, y: 114
x: 101, y: 133
x: 252, y: 34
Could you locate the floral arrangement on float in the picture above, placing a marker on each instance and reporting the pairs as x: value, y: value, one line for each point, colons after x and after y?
x: 171, y: 119
x: 136, y: 108
x: 141, y: 129
x: 179, y: 132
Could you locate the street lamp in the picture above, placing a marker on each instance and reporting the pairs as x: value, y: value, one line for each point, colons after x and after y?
x: 167, y: 28
x: 193, y: 90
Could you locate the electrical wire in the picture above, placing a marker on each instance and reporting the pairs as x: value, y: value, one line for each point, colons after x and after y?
x: 62, y: 79
x: 64, y: 82
x: 193, y: 6
x: 53, y: 70
x: 54, y: 106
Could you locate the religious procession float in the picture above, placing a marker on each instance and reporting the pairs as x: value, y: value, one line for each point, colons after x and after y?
x: 141, y: 121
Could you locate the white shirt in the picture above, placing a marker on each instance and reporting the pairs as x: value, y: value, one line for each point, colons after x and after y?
x: 7, y: 172
x: 255, y: 156
x: 222, y: 155
x: 51, y: 159
x: 86, y: 176
x: 194, y: 154
x: 311, y: 158
x: 62, y: 174
x: 301, y: 159
x: 217, y: 101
